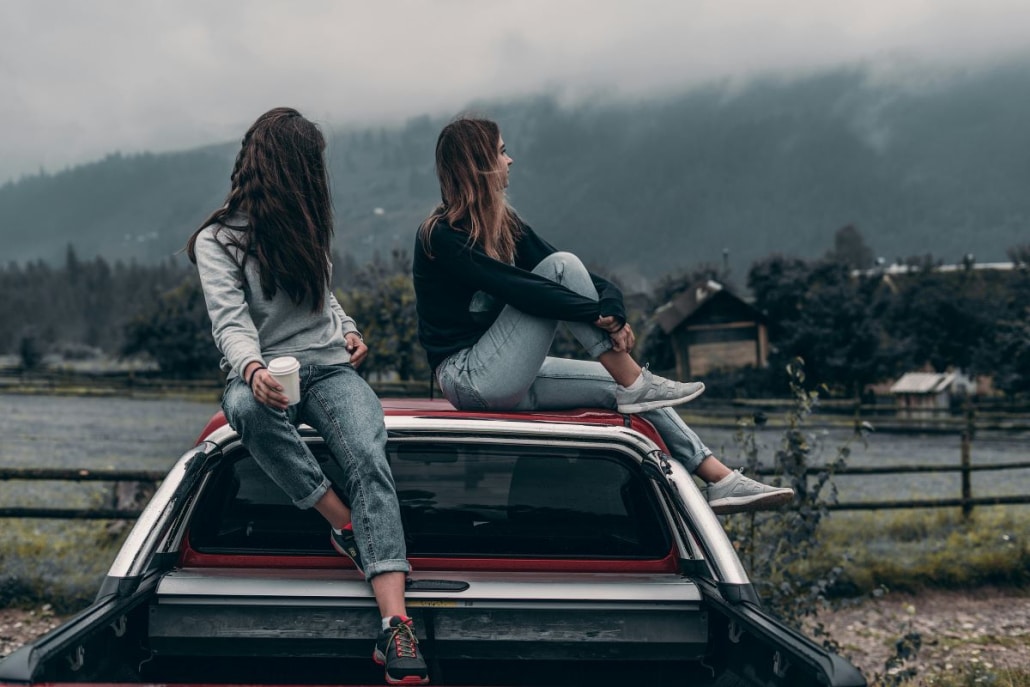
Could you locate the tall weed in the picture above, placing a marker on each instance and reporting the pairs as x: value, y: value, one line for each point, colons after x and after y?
x: 776, y: 546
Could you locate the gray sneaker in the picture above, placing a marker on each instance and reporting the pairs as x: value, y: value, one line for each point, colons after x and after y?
x: 656, y: 392
x: 736, y: 493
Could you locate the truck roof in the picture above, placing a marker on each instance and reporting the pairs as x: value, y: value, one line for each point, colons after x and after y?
x: 441, y: 408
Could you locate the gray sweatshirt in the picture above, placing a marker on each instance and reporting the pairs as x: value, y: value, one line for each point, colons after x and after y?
x: 247, y: 327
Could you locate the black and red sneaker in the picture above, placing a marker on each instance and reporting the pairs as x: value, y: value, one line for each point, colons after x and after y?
x: 346, y: 545
x: 397, y: 649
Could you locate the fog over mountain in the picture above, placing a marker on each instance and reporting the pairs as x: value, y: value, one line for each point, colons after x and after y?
x: 918, y: 164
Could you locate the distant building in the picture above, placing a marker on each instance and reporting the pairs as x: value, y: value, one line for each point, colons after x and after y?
x: 712, y: 329
x: 901, y: 269
x: 921, y: 393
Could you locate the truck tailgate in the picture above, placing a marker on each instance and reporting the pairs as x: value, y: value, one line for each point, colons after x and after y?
x: 458, y: 615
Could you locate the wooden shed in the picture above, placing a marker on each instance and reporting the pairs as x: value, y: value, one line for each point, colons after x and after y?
x: 921, y: 393
x: 713, y: 329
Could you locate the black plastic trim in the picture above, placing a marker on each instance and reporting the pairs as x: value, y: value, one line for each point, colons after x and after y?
x: 811, y: 664
x: 740, y: 593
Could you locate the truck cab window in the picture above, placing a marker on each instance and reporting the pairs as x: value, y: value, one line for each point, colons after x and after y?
x: 458, y: 500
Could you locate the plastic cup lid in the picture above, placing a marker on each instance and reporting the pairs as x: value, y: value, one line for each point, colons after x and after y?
x: 283, y: 366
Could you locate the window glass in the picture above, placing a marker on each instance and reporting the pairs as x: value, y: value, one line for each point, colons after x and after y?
x: 460, y: 500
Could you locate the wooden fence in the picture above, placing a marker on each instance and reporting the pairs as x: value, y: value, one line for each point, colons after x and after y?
x: 886, y: 418
x: 147, y: 385
x: 116, y: 511
x: 965, y: 500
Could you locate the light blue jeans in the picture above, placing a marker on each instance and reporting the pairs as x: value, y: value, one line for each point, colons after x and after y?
x: 509, y: 369
x: 344, y: 410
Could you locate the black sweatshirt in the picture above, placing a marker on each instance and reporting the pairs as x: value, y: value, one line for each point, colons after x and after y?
x: 446, y: 283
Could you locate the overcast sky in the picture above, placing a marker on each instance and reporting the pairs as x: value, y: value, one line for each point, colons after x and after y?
x: 83, y: 78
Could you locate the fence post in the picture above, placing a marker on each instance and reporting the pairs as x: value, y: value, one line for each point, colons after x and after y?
x: 967, y: 440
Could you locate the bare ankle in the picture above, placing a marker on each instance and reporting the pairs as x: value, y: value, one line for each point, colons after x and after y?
x: 621, y: 366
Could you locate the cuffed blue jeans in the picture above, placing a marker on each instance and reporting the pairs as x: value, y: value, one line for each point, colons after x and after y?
x: 509, y: 369
x: 344, y: 410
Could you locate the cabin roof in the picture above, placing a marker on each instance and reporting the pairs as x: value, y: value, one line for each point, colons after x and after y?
x: 691, y: 299
x: 923, y: 383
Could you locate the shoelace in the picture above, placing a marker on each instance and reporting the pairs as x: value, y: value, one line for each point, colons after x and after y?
x: 404, y: 641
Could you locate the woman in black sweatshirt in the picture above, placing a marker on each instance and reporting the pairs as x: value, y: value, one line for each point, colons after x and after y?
x: 491, y: 293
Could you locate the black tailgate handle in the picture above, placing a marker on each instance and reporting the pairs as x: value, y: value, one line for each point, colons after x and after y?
x: 435, y: 585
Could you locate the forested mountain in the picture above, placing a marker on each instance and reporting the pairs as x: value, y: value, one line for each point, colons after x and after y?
x: 918, y: 165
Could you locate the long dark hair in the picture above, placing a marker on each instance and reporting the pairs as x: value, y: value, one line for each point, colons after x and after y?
x: 468, y: 167
x: 279, y: 182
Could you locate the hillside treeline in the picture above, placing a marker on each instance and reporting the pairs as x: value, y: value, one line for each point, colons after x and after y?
x: 852, y: 327
x: 79, y: 309
x: 751, y: 168
x: 98, y: 309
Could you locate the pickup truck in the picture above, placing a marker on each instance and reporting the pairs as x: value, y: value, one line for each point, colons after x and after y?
x: 555, y: 548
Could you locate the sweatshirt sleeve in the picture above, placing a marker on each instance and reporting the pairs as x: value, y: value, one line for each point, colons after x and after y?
x: 222, y: 281
x: 511, y: 284
x: 610, y: 298
x: 349, y: 326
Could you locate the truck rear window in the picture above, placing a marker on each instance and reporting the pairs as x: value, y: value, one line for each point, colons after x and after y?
x: 457, y: 500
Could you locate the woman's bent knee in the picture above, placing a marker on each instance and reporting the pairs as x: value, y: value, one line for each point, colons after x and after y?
x: 569, y: 271
x: 559, y: 264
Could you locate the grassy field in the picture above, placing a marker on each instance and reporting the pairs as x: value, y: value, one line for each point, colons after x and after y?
x: 914, y: 550
x: 60, y: 563
x: 63, y: 562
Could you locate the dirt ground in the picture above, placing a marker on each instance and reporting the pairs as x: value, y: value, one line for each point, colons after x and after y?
x: 982, y: 630
x: 18, y: 626
x: 979, y: 631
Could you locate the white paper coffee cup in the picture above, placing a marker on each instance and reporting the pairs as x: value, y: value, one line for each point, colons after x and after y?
x: 286, y: 371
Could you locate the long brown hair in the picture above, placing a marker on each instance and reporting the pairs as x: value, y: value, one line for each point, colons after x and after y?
x: 280, y: 183
x: 473, y: 201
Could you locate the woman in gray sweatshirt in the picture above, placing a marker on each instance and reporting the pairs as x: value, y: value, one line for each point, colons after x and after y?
x: 263, y: 260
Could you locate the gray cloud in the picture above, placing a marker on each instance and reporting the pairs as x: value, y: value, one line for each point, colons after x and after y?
x: 84, y: 79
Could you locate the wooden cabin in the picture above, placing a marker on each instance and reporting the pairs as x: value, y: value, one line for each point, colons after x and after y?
x: 713, y: 329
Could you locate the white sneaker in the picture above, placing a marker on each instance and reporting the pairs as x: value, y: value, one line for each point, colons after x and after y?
x: 656, y: 392
x: 736, y: 493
